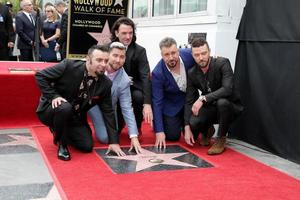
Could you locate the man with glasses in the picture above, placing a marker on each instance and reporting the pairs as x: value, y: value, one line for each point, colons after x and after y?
x: 25, y: 28
x: 69, y: 89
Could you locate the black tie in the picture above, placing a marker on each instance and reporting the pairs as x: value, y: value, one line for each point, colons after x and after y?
x: 31, y: 19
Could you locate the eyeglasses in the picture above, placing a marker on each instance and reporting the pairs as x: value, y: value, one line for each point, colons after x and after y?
x: 49, y: 10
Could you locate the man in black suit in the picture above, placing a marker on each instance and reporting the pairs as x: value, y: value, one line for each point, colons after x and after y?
x: 137, y: 68
x: 61, y: 44
x: 25, y: 28
x: 6, y: 32
x: 210, y: 97
x: 69, y: 89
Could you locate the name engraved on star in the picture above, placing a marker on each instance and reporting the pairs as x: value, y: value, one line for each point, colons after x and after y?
x: 156, y: 160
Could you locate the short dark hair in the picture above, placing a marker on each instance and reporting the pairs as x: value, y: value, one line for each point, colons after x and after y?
x: 199, y: 42
x: 167, y: 42
x: 116, y: 25
x: 104, y: 48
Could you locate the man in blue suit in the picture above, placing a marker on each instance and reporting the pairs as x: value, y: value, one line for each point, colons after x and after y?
x: 169, y: 83
x: 25, y: 28
x: 120, y: 91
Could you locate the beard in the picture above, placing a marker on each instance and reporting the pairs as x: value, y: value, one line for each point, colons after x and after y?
x: 204, y: 63
x: 99, y: 73
x: 172, y: 64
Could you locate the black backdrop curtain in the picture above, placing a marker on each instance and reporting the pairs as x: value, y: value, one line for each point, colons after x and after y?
x: 267, y: 75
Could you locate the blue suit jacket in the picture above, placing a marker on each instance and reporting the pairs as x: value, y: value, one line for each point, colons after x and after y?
x: 120, y: 90
x: 167, y: 98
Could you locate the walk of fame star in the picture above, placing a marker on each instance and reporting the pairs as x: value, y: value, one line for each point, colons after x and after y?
x: 20, y: 140
x: 104, y: 36
x: 118, y: 2
x: 152, y: 159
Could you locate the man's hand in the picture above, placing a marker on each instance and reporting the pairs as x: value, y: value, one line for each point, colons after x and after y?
x: 136, y: 145
x: 10, y: 44
x: 188, y: 136
x: 147, y: 112
x: 160, y: 140
x: 196, y: 107
x: 57, y: 101
x: 116, y: 149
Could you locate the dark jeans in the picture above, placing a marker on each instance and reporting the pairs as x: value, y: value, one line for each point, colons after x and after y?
x: 222, y: 113
x: 68, y: 126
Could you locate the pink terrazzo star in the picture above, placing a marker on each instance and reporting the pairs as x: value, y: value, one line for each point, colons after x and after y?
x: 20, y: 140
x: 149, y: 159
x: 104, y: 36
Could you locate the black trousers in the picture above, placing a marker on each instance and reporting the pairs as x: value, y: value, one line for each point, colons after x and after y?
x: 68, y: 126
x: 222, y: 113
x: 26, y: 55
x: 137, y: 104
x: 174, y: 126
x: 4, y: 54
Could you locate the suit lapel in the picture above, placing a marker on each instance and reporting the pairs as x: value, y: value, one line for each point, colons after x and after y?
x: 170, y: 77
x: 28, y: 20
x: 129, y: 56
x: 116, y: 83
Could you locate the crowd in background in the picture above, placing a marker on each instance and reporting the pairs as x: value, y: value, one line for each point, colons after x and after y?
x: 33, y: 34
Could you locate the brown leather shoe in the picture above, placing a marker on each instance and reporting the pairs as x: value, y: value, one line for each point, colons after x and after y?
x: 218, y: 147
x: 205, y: 140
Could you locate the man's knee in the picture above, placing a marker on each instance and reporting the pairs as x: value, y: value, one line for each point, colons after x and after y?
x: 64, y: 109
x: 137, y: 97
x: 223, y: 104
x: 197, y: 124
x: 85, y: 147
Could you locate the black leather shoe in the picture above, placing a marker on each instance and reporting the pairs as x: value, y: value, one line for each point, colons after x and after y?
x: 63, y: 153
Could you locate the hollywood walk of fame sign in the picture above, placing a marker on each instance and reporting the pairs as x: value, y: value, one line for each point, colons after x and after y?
x: 90, y: 22
x: 173, y: 157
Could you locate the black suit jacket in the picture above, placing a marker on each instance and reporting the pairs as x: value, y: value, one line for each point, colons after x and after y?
x: 64, y: 79
x: 25, y: 29
x: 6, y: 27
x: 215, y: 84
x: 137, y: 66
x: 6, y: 32
x: 62, y: 40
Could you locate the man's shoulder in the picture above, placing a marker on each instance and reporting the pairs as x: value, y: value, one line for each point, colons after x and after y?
x: 73, y: 64
x: 136, y: 47
x: 20, y: 14
x: 158, y: 69
x: 185, y: 51
x: 219, y: 60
